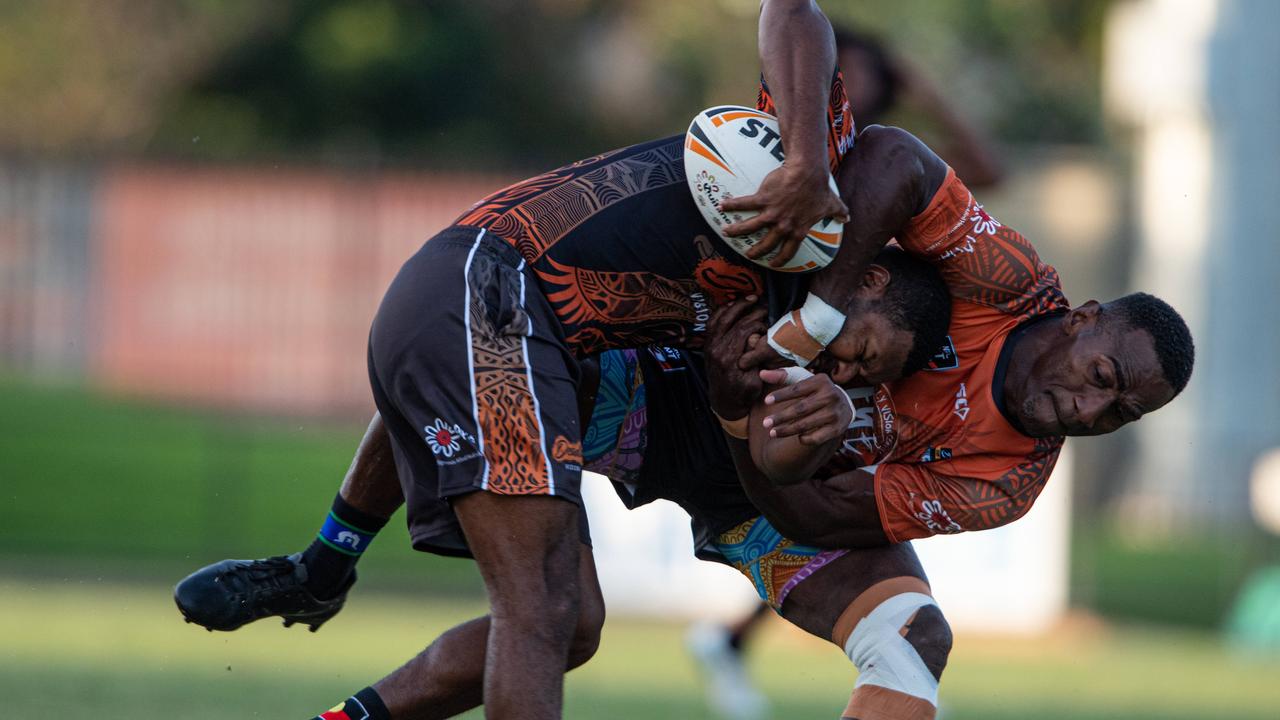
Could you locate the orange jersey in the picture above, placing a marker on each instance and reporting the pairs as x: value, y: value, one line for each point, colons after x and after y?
x: 945, y: 458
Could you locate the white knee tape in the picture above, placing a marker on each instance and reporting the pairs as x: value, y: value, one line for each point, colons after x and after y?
x: 885, y: 658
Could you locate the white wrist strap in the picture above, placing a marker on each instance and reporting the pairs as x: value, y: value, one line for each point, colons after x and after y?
x: 801, y: 334
x: 796, y: 374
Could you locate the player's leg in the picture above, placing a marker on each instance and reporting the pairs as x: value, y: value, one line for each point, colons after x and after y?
x: 479, y: 395
x: 308, y: 587
x: 875, y: 605
x: 448, y: 677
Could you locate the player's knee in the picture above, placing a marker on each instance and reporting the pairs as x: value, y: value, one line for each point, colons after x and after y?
x: 930, y: 635
x: 586, y: 635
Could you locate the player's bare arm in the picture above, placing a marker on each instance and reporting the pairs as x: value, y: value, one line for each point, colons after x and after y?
x: 798, y: 55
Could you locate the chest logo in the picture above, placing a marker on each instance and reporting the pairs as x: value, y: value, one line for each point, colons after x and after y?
x: 945, y: 358
x: 962, y: 403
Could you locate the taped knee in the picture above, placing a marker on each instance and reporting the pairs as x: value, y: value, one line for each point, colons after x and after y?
x: 930, y: 634
x: 897, y: 674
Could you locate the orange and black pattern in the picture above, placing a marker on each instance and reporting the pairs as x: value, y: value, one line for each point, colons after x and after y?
x: 505, y: 409
x: 982, y: 260
x: 840, y: 127
x: 619, y: 247
x: 947, y: 459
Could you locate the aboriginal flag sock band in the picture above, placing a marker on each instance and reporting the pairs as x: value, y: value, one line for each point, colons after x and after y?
x: 334, y: 553
x: 364, y: 705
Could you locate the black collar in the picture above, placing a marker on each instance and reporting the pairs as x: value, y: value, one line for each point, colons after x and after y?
x: 1006, y: 352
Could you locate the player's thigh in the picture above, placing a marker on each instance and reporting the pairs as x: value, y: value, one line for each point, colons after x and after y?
x: 526, y: 548
x: 817, y: 603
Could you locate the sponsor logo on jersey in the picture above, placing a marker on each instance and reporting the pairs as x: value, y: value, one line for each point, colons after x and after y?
x: 962, y: 403
x: 945, y: 358
x: 935, y: 453
x: 567, y: 452
x: 934, y: 517
x: 445, y: 439
x: 873, y: 430
x: 701, y: 311
x: 669, y: 359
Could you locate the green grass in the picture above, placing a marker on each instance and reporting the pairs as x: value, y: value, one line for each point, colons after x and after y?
x: 86, y: 650
x: 94, y: 488
x: 156, y: 491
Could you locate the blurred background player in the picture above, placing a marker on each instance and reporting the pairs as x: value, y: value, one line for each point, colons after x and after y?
x: 880, y: 83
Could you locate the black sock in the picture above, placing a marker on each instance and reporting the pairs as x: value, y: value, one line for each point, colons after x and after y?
x: 337, y: 548
x: 364, y: 705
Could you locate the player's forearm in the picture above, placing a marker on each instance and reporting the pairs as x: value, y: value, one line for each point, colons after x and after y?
x: 838, y: 513
x: 888, y: 178
x: 798, y: 57
x: 784, y: 460
x: 785, y: 510
x: 371, y: 484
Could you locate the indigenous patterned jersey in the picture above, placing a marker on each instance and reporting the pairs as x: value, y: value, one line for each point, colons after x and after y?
x: 944, y: 455
x: 620, y: 249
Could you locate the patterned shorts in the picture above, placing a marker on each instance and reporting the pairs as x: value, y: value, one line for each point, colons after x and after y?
x: 471, y: 375
x: 774, y: 564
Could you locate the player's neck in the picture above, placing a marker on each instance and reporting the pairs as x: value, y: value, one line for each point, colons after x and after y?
x: 1024, y: 347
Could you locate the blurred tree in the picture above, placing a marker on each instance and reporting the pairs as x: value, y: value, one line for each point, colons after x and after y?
x: 80, y: 75
x: 485, y: 82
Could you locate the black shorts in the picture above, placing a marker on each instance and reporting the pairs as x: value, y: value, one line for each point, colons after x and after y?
x: 473, y: 380
x: 653, y: 434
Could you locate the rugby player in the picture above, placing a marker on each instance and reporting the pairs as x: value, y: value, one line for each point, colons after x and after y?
x: 966, y: 445
x: 473, y: 352
x: 901, y: 306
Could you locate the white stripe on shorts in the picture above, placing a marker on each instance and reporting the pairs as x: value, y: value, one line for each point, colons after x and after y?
x: 528, y: 369
x: 471, y: 363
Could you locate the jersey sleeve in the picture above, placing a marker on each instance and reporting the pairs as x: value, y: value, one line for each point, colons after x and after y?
x: 981, y: 260
x: 840, y: 130
x: 916, y: 502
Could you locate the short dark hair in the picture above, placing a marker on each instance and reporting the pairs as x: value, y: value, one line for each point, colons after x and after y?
x: 1174, y: 346
x: 916, y: 300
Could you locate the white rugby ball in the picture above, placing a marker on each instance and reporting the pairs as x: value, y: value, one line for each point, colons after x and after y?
x: 728, y: 150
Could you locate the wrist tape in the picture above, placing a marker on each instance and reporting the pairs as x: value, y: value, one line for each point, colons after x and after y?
x: 796, y: 374
x: 801, y: 334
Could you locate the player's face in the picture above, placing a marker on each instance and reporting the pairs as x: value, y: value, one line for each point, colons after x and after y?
x: 1097, y: 379
x: 869, y: 350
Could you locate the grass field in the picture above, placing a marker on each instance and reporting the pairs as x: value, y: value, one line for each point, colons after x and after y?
x: 89, y: 649
x: 107, y: 502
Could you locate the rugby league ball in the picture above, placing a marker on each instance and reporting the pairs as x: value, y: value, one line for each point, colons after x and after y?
x: 727, y: 152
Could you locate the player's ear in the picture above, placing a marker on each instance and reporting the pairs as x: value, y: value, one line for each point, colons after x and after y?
x: 1082, y: 318
x: 875, y: 280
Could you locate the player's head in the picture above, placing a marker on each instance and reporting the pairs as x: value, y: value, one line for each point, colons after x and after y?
x: 1102, y: 366
x: 869, y: 78
x: 897, y: 321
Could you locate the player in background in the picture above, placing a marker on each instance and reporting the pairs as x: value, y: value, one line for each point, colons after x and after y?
x: 878, y: 82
